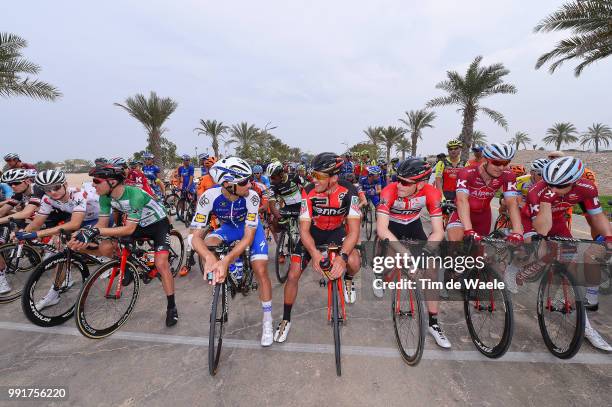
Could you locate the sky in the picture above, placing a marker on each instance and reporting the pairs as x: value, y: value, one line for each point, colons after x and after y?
x: 320, y: 71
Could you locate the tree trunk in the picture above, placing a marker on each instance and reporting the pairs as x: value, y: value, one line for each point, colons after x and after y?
x: 596, y: 145
x: 415, y: 138
x: 388, y: 152
x: 215, y: 144
x: 559, y: 144
x: 403, y: 155
x: 155, y: 148
x: 469, y: 114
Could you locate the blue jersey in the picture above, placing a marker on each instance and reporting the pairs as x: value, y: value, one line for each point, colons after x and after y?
x: 369, y: 188
x: 242, y: 211
x: 5, y: 192
x: 151, y: 172
x: 347, y: 168
x: 203, y: 170
x: 383, y: 178
x: 184, y: 173
x: 264, y: 180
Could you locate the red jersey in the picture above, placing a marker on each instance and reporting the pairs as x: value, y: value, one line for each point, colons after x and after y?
x: 328, y: 209
x: 137, y: 178
x: 408, y: 209
x: 470, y: 181
x: 262, y: 191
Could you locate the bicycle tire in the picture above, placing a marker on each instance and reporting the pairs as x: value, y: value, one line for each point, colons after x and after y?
x: 471, y: 300
x: 562, y: 352
x: 189, y: 213
x: 16, y: 275
x: 175, y: 265
x: 28, y: 299
x: 416, y: 306
x: 336, y: 326
x: 218, y: 316
x: 170, y: 203
x: 282, y: 270
x: 369, y: 225
x: 86, y: 301
x: 180, y: 209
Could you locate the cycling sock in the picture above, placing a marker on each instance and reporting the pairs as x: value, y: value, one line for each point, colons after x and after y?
x: 433, y: 319
x: 592, y: 294
x: 287, y: 312
x: 171, y: 303
x: 347, y: 276
x: 266, y: 306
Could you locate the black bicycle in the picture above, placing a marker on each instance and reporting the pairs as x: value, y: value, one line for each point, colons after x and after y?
x: 367, y: 219
x: 235, y: 282
x: 287, y: 241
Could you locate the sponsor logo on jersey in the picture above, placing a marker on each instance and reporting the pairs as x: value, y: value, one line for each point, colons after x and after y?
x: 462, y: 183
x: 255, y: 200
x: 250, y: 217
x: 534, y: 208
x: 199, y: 218
x: 329, y: 211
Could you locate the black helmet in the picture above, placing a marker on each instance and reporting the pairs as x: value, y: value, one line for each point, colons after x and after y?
x: 108, y: 172
x: 328, y: 163
x: 414, y: 169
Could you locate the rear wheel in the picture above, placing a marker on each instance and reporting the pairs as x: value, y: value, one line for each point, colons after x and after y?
x: 177, y: 252
x: 20, y: 260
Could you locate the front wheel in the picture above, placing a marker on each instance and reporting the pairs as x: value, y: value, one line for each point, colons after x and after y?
x: 20, y: 260
x: 369, y: 223
x: 336, y: 325
x: 283, y: 250
x: 409, y: 324
x: 218, y: 317
x: 177, y: 252
x: 170, y: 203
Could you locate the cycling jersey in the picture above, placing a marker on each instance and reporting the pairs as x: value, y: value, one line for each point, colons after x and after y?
x: 240, y: 212
x: 151, y: 172
x: 184, y: 173
x: 523, y: 183
x: 139, y: 206
x: 408, y: 209
x: 137, y: 178
x: 383, y: 178
x: 589, y: 175
x: 288, y: 190
x: 264, y: 180
x: 79, y: 200
x: 327, y: 210
x: 262, y: 192
x: 5, y: 192
x: 472, y: 162
x: 448, y: 171
x: 31, y: 196
x: 347, y: 168
x: 206, y: 182
x: 369, y: 188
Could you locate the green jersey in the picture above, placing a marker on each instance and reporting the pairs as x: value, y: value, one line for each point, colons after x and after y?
x: 136, y: 204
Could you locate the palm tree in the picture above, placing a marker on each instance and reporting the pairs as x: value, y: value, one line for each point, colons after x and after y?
x: 214, y: 130
x: 390, y: 136
x: 373, y: 134
x: 404, y: 145
x: 13, y: 66
x: 245, y: 135
x: 561, y: 133
x: 598, y: 134
x: 478, y: 138
x: 468, y: 91
x: 520, y: 138
x: 417, y: 121
x: 151, y: 113
x: 590, y: 22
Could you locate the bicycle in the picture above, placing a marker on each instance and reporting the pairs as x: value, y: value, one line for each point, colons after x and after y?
x: 186, y: 207
x: 287, y: 241
x: 367, y: 221
x: 60, y: 272
x: 336, y: 307
x: 447, y: 209
x: 104, y: 293
x: 219, y: 308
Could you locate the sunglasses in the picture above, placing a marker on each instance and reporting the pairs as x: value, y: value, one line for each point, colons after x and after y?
x: 98, y: 180
x: 53, y: 188
x: 499, y: 163
x: 14, y: 184
x: 243, y: 183
x: 320, y: 176
x: 407, y: 182
x: 453, y: 149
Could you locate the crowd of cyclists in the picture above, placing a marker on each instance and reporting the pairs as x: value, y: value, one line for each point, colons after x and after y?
x: 244, y: 203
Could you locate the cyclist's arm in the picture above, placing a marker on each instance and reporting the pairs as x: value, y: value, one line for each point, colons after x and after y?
x: 5, y: 210
x: 382, y: 227
x: 199, y: 223
x: 306, y: 238
x: 73, y: 224
x: 601, y: 225
x: 433, y: 203
x: 25, y: 213
x: 515, y: 215
x: 463, y: 209
x: 439, y: 170
x: 543, y: 220
x: 36, y: 224
x: 125, y: 230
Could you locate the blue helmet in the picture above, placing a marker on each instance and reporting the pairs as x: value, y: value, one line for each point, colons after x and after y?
x: 146, y: 156
x: 257, y: 169
x: 203, y: 156
x: 186, y: 157
x: 374, y: 170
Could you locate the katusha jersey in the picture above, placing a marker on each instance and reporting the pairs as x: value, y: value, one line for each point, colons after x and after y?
x: 79, y: 200
x: 583, y: 191
x: 480, y: 194
x: 408, y: 209
x: 242, y: 211
x: 327, y: 210
x: 139, y: 206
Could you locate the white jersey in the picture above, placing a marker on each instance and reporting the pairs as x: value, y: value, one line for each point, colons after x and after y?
x: 79, y: 200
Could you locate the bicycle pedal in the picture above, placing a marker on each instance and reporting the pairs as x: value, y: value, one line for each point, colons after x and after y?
x: 254, y: 286
x: 322, y: 282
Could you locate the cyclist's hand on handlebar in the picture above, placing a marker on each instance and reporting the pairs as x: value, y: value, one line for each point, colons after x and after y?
x: 316, y: 259
x: 515, y: 238
x: 338, y: 267
x: 21, y: 235
x: 219, y: 270
x: 471, y: 234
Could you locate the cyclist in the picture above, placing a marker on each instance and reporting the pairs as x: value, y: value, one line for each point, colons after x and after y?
x: 5, y: 192
x: 185, y: 174
x: 382, y: 163
x: 393, y: 170
x: 562, y: 186
x: 525, y: 182
x: 235, y: 205
x: 79, y: 205
x: 136, y: 178
x: 206, y: 181
x: 399, y: 218
x: 203, y: 157
x: 347, y: 166
x: 13, y: 161
x: 447, y: 169
x: 100, y: 161
x: 301, y: 172
x: 327, y: 204
x: 259, y: 177
x: 363, y: 201
x: 145, y: 218
x: 151, y: 171
x: 478, y: 157
x: 371, y: 184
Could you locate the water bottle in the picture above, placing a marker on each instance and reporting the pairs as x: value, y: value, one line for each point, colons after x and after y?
x: 236, y: 268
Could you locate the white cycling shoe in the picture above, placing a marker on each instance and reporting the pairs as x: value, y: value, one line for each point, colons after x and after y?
x: 595, y: 338
x: 438, y: 335
x: 282, y: 331
x: 52, y: 298
x: 5, y: 287
x: 350, y: 294
x: 267, y: 334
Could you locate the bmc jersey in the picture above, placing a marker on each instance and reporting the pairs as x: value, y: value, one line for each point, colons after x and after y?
x: 136, y: 204
x: 288, y: 190
x: 79, y: 200
x: 408, y: 209
x: 369, y: 187
x: 242, y: 211
x: 448, y: 172
x: 328, y: 209
x: 470, y: 181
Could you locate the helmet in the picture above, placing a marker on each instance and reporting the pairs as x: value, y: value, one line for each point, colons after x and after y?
x: 133, y: 163
x: 518, y: 169
x: 382, y: 161
x: 564, y: 170
x: 15, y: 175
x: 348, y: 154
x: 274, y: 168
x: 374, y: 170
x: 11, y: 156
x: 203, y: 156
x: 31, y: 172
x: 538, y: 165
x: 414, y: 169
x: 118, y: 162
x: 477, y: 148
x: 365, y: 152
x: 301, y: 167
x: 49, y: 178
x: 210, y: 161
x: 499, y: 151
x: 257, y: 169
x: 108, y: 172
x: 328, y: 163
x: 454, y: 143
x: 230, y: 169
x: 100, y: 160
x: 186, y: 157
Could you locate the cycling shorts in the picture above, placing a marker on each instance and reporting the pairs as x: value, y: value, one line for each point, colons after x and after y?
x: 229, y: 233
x: 481, y: 222
x: 320, y: 237
x: 413, y: 230
x: 450, y: 195
x: 159, y: 232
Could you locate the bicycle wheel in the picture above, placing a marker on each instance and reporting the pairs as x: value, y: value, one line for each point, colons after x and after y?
x: 20, y: 261
x: 561, y: 313
x: 181, y: 206
x: 66, y: 278
x: 409, y: 323
x: 218, y: 317
x: 336, y: 325
x: 189, y: 212
x: 488, y: 313
x: 170, y: 203
x: 283, y: 247
x: 369, y: 225
x: 99, y: 311
x: 177, y: 252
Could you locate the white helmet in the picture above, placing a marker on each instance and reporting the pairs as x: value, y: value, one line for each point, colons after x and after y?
x: 230, y: 169
x: 274, y: 168
x: 50, y: 177
x: 538, y: 165
x: 11, y: 156
x: 118, y: 162
x: 15, y: 175
x: 31, y: 172
x: 563, y: 170
x: 499, y: 151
